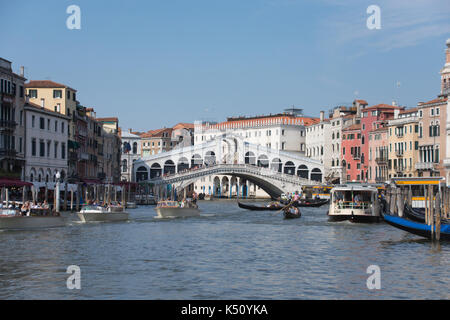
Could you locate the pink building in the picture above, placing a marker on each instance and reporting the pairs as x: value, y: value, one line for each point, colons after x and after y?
x: 351, y: 153
x: 372, y: 118
x: 378, y: 155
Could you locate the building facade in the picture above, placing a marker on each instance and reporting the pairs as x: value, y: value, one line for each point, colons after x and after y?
x: 432, y: 137
x: 46, y: 138
x: 12, y: 127
x: 403, y: 141
x: 130, y: 152
x: 378, y: 155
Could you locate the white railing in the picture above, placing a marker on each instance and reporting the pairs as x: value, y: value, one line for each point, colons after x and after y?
x: 232, y: 169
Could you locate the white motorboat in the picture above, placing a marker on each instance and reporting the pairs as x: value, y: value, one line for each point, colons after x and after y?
x: 91, y: 213
x: 173, y: 209
x: 12, y: 220
x: 357, y: 203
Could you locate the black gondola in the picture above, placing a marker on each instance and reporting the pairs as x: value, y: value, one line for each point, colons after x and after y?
x: 259, y: 208
x: 418, y: 215
x: 310, y: 202
x: 291, y: 215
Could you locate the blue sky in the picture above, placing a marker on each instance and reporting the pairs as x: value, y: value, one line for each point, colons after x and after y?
x: 157, y: 63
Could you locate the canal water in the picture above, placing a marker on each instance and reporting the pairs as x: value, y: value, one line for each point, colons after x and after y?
x: 226, y: 253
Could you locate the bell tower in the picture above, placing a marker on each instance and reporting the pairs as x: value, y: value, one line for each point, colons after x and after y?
x: 445, y: 72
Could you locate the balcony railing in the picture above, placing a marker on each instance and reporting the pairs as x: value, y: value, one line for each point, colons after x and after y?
x: 381, y: 160
x: 7, y: 152
x: 399, y: 153
x: 356, y: 156
x: 425, y: 165
x: 446, y: 88
x: 7, y: 124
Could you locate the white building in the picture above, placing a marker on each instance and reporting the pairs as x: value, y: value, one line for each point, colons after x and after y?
x: 46, y: 136
x: 280, y: 132
x: 319, y: 144
x: 129, y: 154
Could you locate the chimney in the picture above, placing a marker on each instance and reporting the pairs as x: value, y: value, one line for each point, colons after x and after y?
x: 22, y: 71
x: 396, y: 113
x: 322, y: 115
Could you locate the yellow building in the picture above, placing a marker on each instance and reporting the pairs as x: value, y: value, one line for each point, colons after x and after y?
x: 403, y: 143
x: 53, y: 96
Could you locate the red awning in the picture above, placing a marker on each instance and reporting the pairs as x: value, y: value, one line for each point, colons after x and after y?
x: 126, y: 183
x: 11, y: 182
x: 92, y: 181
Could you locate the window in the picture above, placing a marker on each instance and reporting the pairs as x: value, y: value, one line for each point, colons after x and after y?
x: 32, y: 121
x: 57, y: 94
x: 42, y: 123
x: 42, y: 148
x: 63, y: 150
x: 33, y: 147
x: 48, y: 124
x: 56, y: 126
x: 56, y: 149
x: 48, y: 148
x: 20, y: 144
x: 33, y: 93
x: 62, y: 127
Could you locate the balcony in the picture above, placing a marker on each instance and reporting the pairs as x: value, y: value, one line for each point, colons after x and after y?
x: 425, y: 165
x: 400, y: 169
x: 7, y: 153
x: 399, y: 153
x: 381, y: 160
x: 356, y: 156
x: 8, y: 124
x: 399, y: 135
x: 380, y: 179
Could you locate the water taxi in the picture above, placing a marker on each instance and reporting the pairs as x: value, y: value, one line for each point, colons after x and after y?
x: 177, y: 209
x: 94, y: 213
x: 13, y: 219
x: 356, y: 203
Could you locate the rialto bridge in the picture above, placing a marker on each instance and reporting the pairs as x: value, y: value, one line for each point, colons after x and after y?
x: 230, y: 162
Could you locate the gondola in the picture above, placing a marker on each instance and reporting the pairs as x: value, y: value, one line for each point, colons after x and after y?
x: 291, y: 215
x: 310, y: 203
x: 418, y: 215
x: 258, y: 208
x: 417, y: 228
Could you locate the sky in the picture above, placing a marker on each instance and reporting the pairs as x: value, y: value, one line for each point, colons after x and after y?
x: 153, y: 63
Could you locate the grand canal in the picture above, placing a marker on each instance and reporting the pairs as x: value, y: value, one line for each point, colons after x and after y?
x: 226, y: 253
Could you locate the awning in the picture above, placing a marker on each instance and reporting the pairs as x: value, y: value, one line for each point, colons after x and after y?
x: 91, y: 181
x: 11, y: 182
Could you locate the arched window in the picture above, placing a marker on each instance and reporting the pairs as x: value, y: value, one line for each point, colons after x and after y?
x: 134, y: 147
x: 124, y: 165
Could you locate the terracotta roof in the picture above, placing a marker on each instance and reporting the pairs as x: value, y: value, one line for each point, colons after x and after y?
x: 353, y: 127
x: 156, y: 133
x: 383, y: 106
x: 406, y: 111
x: 361, y: 101
x: 184, y: 125
x: 46, y: 84
x: 108, y: 119
x: 437, y: 100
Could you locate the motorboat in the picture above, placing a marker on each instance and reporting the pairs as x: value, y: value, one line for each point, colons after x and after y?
x: 12, y: 219
x: 356, y: 203
x: 94, y: 213
x: 177, y: 209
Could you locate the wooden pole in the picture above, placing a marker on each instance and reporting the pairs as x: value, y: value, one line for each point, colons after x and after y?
x: 65, y: 196
x: 77, y: 204
x: 24, y: 194
x: 7, y: 197
x: 71, y: 200
x: 438, y: 216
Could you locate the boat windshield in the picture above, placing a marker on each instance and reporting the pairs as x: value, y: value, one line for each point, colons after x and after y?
x: 352, y: 199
